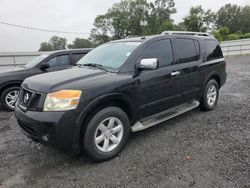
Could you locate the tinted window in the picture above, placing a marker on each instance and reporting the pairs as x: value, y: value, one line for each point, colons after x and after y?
x: 197, y: 47
x: 162, y: 50
x: 77, y: 57
x: 187, y: 49
x: 213, y: 50
x: 59, y: 60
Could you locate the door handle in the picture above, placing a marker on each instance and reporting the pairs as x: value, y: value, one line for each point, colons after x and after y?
x: 175, y: 73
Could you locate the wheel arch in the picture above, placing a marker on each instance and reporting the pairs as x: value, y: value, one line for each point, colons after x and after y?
x: 118, y: 100
x: 6, y: 85
x: 212, y: 75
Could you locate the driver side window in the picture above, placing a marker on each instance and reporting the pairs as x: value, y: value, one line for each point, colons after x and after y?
x: 59, y: 60
x: 162, y: 50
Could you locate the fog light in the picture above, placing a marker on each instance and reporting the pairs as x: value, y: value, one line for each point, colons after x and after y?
x: 45, y: 137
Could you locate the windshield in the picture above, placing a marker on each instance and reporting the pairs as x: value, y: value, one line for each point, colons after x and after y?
x: 110, y: 55
x: 35, y: 61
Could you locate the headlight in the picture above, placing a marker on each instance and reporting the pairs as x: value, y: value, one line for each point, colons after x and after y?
x: 62, y: 100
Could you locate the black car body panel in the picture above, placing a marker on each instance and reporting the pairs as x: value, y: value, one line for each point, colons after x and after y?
x: 140, y: 94
x: 18, y: 74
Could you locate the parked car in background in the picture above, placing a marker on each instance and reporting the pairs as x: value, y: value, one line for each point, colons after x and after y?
x: 11, y: 79
x: 121, y: 86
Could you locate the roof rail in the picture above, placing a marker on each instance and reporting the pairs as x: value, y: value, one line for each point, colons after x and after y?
x: 132, y: 36
x: 184, y: 33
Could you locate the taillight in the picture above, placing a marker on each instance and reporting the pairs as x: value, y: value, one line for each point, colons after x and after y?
x: 225, y: 64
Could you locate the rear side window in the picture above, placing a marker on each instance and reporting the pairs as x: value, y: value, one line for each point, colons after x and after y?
x: 187, y: 49
x: 213, y: 50
x: 59, y: 60
x: 161, y: 50
x: 77, y: 57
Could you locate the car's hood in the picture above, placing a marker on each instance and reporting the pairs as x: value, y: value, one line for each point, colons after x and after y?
x: 11, y: 70
x: 62, y: 79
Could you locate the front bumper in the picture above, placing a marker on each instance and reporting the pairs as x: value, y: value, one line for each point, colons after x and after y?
x: 55, y: 129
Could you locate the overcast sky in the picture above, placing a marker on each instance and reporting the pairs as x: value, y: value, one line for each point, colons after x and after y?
x: 67, y: 15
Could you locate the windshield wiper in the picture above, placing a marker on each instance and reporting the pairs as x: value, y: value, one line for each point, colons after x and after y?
x: 94, y: 65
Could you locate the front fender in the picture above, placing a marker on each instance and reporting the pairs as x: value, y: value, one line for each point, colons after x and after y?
x: 91, y: 106
x: 13, y: 82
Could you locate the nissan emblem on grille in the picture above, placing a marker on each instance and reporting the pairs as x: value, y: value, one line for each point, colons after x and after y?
x: 26, y: 98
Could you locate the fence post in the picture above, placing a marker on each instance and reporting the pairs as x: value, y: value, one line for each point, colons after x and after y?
x: 14, y: 60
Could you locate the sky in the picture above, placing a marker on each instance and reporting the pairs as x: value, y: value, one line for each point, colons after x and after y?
x: 67, y: 15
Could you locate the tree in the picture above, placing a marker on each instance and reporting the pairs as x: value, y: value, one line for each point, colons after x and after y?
x: 123, y: 19
x: 199, y: 19
x: 221, y: 33
x: 80, y: 43
x: 55, y: 43
x: 44, y: 46
x: 245, y: 19
x: 99, y: 34
x: 229, y: 16
x: 235, y: 17
x: 181, y: 27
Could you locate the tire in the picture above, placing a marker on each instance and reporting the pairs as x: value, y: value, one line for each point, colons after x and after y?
x: 96, y: 135
x: 8, y: 97
x: 210, y: 95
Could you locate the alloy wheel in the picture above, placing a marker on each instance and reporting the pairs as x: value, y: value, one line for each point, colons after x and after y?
x: 11, y: 98
x: 211, y: 95
x: 109, y: 134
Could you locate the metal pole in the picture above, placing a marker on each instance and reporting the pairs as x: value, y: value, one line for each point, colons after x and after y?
x: 142, y: 22
x: 14, y: 60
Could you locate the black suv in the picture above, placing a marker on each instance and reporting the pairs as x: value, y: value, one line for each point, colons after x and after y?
x: 121, y: 86
x: 11, y: 79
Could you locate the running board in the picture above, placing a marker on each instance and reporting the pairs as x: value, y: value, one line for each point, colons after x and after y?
x: 163, y: 116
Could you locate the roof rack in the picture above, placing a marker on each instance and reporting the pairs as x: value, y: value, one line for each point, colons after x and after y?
x: 132, y: 36
x: 184, y: 33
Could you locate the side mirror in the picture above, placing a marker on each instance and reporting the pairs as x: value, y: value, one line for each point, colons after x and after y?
x: 44, y: 66
x: 149, y: 64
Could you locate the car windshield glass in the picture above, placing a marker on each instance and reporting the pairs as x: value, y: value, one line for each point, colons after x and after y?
x: 35, y: 61
x: 110, y: 55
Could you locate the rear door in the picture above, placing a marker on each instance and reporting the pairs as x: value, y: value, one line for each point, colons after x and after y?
x: 189, y: 58
x: 158, y: 88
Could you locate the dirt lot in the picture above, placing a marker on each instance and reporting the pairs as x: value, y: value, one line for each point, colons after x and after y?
x: 197, y: 149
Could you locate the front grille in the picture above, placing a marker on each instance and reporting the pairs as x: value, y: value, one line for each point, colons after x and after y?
x: 27, y: 127
x: 29, y: 100
x: 34, y: 102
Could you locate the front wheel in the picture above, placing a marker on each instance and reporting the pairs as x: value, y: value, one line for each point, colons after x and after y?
x: 210, y: 95
x: 9, y: 97
x: 106, y: 134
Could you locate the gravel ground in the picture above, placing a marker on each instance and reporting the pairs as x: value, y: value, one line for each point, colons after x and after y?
x: 196, y: 149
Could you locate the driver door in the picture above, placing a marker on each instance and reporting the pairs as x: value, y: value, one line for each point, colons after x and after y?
x: 158, y: 88
x: 59, y: 62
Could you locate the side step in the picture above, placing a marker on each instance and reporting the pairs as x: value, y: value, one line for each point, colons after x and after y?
x: 163, y: 116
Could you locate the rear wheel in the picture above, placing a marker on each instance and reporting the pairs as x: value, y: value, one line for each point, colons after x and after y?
x: 106, y: 134
x: 210, y: 95
x: 9, y: 97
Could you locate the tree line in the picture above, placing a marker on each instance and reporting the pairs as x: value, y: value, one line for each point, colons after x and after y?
x: 139, y: 17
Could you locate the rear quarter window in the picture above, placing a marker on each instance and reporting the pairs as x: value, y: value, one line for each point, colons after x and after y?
x: 213, y: 50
